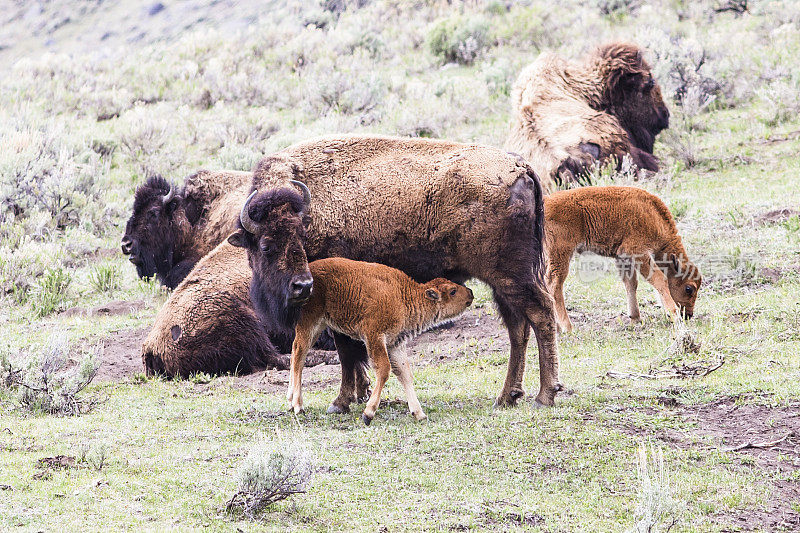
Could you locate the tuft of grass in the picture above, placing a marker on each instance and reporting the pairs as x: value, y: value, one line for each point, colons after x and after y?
x: 105, y: 278
x: 656, y: 507
x: 273, y: 471
x: 50, y: 292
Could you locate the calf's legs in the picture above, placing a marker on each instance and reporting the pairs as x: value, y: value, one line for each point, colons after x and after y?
x: 355, y: 383
x: 303, y: 340
x: 380, y: 357
x: 402, y: 369
x: 627, y: 271
x: 658, y: 280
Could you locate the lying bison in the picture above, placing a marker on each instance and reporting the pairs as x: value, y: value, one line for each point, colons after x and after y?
x: 569, y: 115
x: 171, y: 228
x: 427, y: 207
x: 209, y: 324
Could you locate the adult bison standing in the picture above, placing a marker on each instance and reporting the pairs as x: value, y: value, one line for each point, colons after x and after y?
x: 430, y: 208
x: 568, y: 115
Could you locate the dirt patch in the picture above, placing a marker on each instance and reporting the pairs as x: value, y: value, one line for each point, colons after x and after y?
x: 770, y: 437
x: 117, y: 307
x: 758, y: 435
x: 122, y: 355
x: 122, y: 352
x: 776, y: 216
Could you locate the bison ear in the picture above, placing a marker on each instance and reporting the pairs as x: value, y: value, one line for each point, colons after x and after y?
x: 675, y: 262
x: 237, y: 239
x: 433, y: 294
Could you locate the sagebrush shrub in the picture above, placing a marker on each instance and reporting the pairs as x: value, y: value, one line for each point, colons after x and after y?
x: 45, y: 381
x: 49, y: 294
x: 458, y: 39
x: 271, y: 472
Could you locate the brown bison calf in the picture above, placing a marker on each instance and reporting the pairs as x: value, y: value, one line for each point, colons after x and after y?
x: 626, y: 223
x: 380, y: 306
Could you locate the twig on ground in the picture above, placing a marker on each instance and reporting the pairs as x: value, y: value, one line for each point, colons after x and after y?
x: 760, y: 445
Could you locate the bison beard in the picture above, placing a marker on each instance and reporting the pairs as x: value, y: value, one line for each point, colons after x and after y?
x: 430, y: 208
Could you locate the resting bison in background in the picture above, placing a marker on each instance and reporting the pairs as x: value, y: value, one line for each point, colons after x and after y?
x: 209, y: 324
x: 171, y: 228
x: 568, y: 115
x: 430, y: 208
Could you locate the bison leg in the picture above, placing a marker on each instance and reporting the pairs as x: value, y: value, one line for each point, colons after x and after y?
x: 402, y: 369
x: 537, y: 306
x: 627, y: 271
x: 657, y: 279
x: 557, y: 271
x: 352, y: 356
x: 303, y: 341
x: 380, y: 357
x: 519, y: 333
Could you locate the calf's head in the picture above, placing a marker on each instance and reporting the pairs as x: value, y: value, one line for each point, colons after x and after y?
x: 272, y: 228
x: 684, y: 283
x: 154, y: 228
x: 450, y: 299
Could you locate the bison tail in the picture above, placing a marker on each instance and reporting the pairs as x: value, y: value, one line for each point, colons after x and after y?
x: 538, y: 229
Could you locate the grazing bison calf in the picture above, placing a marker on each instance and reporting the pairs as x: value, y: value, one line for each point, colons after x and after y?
x: 568, y: 115
x: 379, y: 306
x: 626, y: 223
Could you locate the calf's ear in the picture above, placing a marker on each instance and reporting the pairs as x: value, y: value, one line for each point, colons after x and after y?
x: 237, y: 239
x: 433, y: 294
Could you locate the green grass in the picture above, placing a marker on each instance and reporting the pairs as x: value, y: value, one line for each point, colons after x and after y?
x: 164, y: 455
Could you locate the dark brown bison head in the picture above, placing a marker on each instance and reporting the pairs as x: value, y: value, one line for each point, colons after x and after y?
x: 272, y: 228
x: 152, y: 232
x: 631, y: 93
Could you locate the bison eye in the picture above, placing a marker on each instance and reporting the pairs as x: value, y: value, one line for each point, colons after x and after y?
x: 453, y: 292
x: 689, y: 290
x: 649, y: 84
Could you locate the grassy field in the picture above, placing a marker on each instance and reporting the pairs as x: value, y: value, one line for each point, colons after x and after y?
x: 80, y: 130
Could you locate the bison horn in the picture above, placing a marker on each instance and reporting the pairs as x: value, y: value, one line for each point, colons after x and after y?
x: 306, y: 192
x: 244, y: 217
x: 169, y: 196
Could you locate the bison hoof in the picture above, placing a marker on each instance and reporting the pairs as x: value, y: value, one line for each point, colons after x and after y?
x: 367, y: 419
x: 420, y: 417
x: 334, y: 409
x: 510, y: 398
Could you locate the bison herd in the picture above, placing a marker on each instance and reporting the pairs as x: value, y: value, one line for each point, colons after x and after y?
x: 411, y: 220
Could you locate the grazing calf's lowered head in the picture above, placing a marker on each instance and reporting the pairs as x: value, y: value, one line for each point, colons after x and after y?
x: 376, y: 304
x: 626, y: 223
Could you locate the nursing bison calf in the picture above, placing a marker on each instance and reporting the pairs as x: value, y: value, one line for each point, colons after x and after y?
x: 568, y: 115
x: 380, y: 306
x: 430, y: 208
x: 626, y: 223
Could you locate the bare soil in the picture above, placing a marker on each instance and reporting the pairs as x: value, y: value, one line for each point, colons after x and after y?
x: 121, y: 357
x: 757, y: 436
x: 117, y: 307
